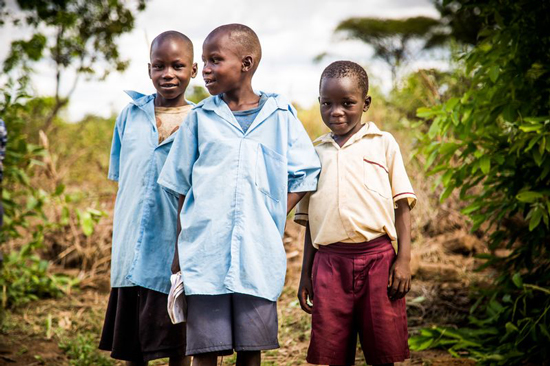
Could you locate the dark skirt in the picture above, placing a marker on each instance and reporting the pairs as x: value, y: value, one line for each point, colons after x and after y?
x: 137, y: 326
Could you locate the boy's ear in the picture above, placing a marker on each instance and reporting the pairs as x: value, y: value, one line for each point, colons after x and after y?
x: 367, y: 103
x: 247, y: 63
x: 194, y: 69
x: 149, y: 70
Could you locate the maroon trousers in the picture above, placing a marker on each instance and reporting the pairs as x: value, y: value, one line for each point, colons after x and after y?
x: 350, y: 286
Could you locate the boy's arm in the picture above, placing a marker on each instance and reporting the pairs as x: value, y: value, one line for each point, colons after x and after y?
x: 176, y: 261
x: 400, y: 274
x: 292, y: 200
x: 305, y: 290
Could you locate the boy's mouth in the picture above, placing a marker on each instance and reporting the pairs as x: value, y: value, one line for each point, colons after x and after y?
x: 168, y: 86
x: 208, y: 82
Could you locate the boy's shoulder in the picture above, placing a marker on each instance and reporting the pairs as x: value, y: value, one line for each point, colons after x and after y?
x: 369, y: 129
x: 215, y: 102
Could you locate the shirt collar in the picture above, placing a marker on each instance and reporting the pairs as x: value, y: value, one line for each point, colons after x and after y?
x: 138, y: 99
x: 217, y: 105
x: 368, y: 128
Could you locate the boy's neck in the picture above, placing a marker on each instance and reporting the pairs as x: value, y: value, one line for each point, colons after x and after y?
x: 241, y: 99
x: 342, y: 139
x: 170, y: 103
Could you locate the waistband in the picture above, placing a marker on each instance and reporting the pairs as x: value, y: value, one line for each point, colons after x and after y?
x: 375, y: 246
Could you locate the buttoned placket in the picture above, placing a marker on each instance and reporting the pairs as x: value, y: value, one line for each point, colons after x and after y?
x: 149, y: 183
x: 236, y: 236
x: 341, y: 169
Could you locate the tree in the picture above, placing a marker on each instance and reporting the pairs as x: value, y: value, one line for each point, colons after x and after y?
x: 79, y: 35
x: 391, y: 39
x: 493, y: 144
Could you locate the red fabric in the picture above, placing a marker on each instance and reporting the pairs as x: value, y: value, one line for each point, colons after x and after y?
x: 350, y: 298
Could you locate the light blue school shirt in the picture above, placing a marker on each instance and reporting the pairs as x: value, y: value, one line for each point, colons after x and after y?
x: 235, y: 185
x: 144, y: 227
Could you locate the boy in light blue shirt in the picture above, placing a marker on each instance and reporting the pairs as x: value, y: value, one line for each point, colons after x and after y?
x: 240, y: 164
x: 137, y: 327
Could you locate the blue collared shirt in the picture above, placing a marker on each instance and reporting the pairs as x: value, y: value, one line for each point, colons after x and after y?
x: 235, y: 185
x: 144, y: 228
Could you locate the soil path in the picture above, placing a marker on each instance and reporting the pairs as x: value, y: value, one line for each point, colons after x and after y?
x: 65, y: 331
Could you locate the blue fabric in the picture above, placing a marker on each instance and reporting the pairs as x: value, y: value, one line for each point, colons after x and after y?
x: 245, y: 118
x: 235, y: 185
x: 144, y: 228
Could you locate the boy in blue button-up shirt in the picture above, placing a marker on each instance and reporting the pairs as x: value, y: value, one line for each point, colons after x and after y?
x: 238, y: 174
x: 137, y: 326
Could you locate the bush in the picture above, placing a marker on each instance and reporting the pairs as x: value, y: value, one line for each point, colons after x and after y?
x: 493, y: 144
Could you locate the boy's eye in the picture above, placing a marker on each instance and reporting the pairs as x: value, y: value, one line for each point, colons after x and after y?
x: 348, y: 104
x: 179, y: 66
x: 157, y: 67
x: 325, y: 104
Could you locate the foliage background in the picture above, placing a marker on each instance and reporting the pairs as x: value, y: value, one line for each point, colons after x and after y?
x: 477, y: 138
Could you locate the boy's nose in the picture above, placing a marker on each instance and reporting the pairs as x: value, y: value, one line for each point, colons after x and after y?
x: 168, y: 73
x: 336, y: 112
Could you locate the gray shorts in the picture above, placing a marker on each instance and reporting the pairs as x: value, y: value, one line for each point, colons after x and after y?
x: 223, y: 323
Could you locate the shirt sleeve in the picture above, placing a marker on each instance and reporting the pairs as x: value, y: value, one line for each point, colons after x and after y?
x: 116, y: 145
x: 399, y: 180
x: 303, y: 163
x: 302, y: 209
x: 175, y: 175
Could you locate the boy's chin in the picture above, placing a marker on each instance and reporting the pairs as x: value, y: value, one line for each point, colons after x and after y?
x: 213, y: 91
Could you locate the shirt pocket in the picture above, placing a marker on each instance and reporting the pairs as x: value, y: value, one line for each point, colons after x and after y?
x: 376, y: 177
x: 271, y: 173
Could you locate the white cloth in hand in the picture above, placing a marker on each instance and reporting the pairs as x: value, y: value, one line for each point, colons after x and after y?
x: 177, y: 305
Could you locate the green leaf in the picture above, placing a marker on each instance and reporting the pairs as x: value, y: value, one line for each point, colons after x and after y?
x: 59, y: 189
x: 451, y: 103
x: 446, y: 193
x: 535, y: 219
x: 64, y: 216
x: 516, y: 279
x: 528, y: 196
x: 87, y: 224
x: 493, y: 73
x: 530, y: 128
x: 434, y: 128
x: 485, y: 164
x: 424, y: 112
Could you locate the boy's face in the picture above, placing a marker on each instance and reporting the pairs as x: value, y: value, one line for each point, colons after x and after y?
x: 171, y: 69
x: 342, y: 105
x: 223, y: 65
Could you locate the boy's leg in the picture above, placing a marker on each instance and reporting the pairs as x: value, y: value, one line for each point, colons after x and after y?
x: 333, y: 332
x: 205, y: 359
x: 136, y: 363
x: 179, y: 361
x: 382, y: 321
x: 249, y: 358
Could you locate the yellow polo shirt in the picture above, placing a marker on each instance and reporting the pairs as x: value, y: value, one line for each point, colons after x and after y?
x: 357, y: 190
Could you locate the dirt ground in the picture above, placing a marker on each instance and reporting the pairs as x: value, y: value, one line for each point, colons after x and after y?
x: 65, y: 331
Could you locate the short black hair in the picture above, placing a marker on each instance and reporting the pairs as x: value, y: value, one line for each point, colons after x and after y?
x: 245, y: 38
x: 342, y: 69
x: 168, y: 35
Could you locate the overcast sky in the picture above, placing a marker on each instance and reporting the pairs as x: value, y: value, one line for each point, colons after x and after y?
x: 292, y: 33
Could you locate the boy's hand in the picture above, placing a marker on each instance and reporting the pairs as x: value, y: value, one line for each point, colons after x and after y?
x: 175, y: 264
x: 305, y: 293
x: 400, y: 279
